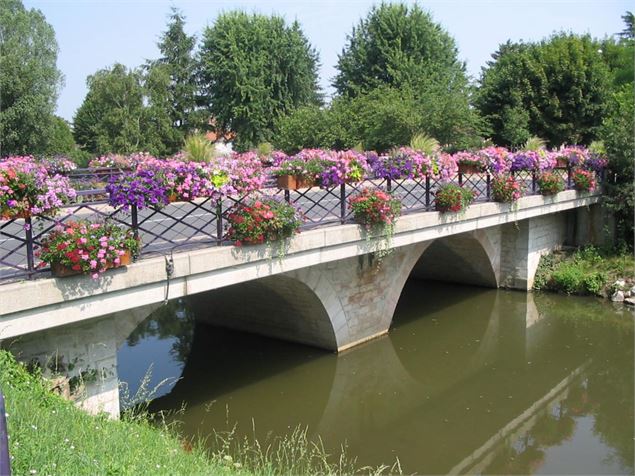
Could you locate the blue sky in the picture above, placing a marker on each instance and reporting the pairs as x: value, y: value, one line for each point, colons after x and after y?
x: 94, y: 34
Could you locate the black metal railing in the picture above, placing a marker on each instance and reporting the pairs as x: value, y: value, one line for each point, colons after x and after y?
x: 203, y: 222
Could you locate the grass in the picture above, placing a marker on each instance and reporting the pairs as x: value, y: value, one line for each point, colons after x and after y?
x: 49, y: 435
x: 587, y: 271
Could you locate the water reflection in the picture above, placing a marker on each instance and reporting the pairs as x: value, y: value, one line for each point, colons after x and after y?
x: 468, y: 381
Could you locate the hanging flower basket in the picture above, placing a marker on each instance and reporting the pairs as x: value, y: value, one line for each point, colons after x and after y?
x: 452, y: 198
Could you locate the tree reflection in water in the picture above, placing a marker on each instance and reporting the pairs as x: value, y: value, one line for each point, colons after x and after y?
x: 174, y: 321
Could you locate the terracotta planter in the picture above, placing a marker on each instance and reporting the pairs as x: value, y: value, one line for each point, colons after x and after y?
x: 469, y: 169
x: 173, y: 197
x: 443, y: 209
x: 293, y: 182
x: 24, y: 214
x: 62, y: 271
x: 562, y: 163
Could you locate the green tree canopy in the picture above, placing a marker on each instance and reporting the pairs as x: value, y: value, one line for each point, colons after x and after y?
x: 396, y: 45
x: 29, y: 79
x: 255, y: 68
x: 171, y: 87
x: 556, y: 89
x: 111, y: 118
x: 400, y: 51
x: 60, y: 137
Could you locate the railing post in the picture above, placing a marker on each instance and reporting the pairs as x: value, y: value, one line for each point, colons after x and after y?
x: 388, y: 185
x: 219, y: 221
x: 460, y: 179
x: 488, y: 188
x: 343, y: 203
x: 427, y: 192
x: 568, y: 176
x: 533, y: 181
x: 135, y: 224
x: 30, y: 258
x: 287, y: 195
x: 5, y: 462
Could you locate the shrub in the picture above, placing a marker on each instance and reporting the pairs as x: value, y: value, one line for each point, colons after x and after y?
x: 550, y: 183
x: 262, y: 220
x: 568, y: 278
x: 452, y: 198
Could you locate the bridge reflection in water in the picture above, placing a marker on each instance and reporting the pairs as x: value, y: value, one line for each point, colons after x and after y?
x: 468, y: 381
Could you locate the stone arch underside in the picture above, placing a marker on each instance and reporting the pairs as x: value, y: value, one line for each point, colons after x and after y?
x: 467, y: 258
x: 276, y: 306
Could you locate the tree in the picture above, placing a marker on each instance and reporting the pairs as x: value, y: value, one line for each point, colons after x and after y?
x: 60, y: 137
x: 309, y: 127
x: 253, y: 69
x: 396, y: 45
x: 171, y: 85
x: 29, y: 79
x: 111, y: 117
x: 556, y: 89
x: 617, y: 134
x: 400, y: 48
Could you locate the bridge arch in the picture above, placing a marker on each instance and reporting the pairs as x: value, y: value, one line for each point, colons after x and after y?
x: 277, y: 306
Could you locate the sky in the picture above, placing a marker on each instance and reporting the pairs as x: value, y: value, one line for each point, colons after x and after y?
x: 94, y: 34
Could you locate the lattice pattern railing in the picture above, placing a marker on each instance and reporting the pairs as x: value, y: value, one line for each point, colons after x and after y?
x: 203, y: 222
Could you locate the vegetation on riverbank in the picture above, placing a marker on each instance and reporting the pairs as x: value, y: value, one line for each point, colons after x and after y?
x: 586, y: 271
x: 49, y: 435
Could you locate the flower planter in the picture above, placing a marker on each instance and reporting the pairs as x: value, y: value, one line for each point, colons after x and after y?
x: 294, y: 182
x: 562, y: 163
x: 60, y: 270
x: 445, y: 209
x: 469, y: 169
x: 173, y: 197
x: 24, y: 214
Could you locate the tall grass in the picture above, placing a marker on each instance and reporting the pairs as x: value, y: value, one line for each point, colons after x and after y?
x: 198, y: 148
x: 425, y: 143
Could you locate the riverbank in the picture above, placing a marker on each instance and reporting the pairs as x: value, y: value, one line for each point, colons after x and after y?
x: 607, y: 273
x: 49, y: 435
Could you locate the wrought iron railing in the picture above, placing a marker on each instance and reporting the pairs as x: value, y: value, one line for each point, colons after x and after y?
x: 203, y: 222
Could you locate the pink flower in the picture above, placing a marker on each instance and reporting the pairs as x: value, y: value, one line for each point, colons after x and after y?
x: 93, y: 264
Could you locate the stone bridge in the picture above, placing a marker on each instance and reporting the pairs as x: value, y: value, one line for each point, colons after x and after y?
x: 327, y: 287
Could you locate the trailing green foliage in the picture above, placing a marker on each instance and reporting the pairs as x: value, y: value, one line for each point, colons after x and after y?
x: 589, y: 270
x: 29, y: 79
x: 556, y: 89
x: 253, y: 69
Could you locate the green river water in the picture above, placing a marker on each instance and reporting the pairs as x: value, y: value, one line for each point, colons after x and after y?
x: 469, y: 380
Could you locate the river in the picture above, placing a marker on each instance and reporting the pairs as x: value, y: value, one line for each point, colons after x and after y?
x: 469, y: 380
